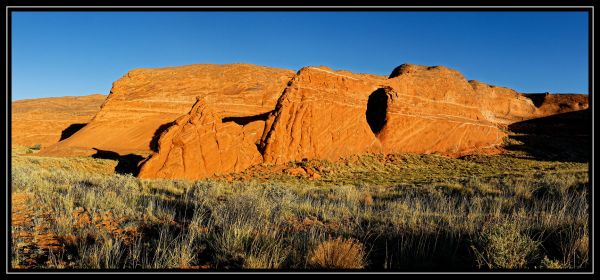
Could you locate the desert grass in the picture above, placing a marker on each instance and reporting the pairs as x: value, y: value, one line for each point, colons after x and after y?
x: 338, y: 254
x: 374, y: 212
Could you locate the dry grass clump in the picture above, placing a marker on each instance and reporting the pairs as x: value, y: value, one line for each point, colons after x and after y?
x: 338, y: 253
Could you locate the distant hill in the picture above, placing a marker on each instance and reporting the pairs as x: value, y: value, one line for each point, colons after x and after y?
x: 45, y: 121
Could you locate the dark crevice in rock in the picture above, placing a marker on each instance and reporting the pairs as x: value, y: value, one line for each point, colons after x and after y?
x: 537, y: 98
x: 247, y: 119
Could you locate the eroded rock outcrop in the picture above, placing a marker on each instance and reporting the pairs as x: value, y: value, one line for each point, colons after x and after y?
x: 46, y: 121
x: 199, y: 145
x: 549, y: 104
x: 435, y: 110
x: 321, y: 115
x: 145, y: 101
x: 329, y: 114
x: 503, y: 105
x: 242, y: 115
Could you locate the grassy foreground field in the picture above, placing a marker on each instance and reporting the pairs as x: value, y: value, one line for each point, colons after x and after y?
x: 374, y: 212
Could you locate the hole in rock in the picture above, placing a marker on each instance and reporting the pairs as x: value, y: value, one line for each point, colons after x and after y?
x: 377, y: 110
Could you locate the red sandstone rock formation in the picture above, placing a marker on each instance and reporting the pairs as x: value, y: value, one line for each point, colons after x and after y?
x: 243, y: 115
x: 434, y: 109
x: 503, y: 105
x: 321, y: 115
x: 549, y: 104
x: 145, y: 101
x: 199, y: 145
x: 46, y: 120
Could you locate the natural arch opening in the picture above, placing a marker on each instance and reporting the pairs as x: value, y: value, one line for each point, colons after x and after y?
x: 377, y: 110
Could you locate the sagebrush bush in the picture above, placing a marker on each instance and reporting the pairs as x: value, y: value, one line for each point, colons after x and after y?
x: 547, y: 263
x: 338, y: 253
x: 502, y: 245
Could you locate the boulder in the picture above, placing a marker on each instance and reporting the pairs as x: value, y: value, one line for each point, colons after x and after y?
x: 199, y: 145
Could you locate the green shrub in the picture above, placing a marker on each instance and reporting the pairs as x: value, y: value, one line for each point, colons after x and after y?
x: 550, y: 264
x: 504, y: 246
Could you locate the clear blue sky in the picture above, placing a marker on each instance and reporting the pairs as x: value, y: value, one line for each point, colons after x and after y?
x: 79, y: 53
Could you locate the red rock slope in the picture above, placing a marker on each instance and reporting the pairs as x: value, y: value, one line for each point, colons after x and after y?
x: 146, y: 101
x: 45, y: 120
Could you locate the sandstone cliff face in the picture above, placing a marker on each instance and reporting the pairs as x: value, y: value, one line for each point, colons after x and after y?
x: 199, y: 145
x: 46, y: 120
x: 321, y: 115
x: 434, y: 110
x: 326, y: 114
x: 550, y: 104
x: 503, y: 105
x: 145, y: 101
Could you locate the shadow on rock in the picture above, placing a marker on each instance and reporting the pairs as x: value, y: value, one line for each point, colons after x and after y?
x: 127, y: 164
x: 247, y: 119
x: 67, y: 132
x: 156, y: 137
x: 560, y: 137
